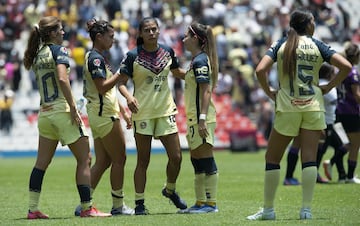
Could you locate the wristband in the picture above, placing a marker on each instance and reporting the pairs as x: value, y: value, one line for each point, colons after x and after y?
x: 202, y: 117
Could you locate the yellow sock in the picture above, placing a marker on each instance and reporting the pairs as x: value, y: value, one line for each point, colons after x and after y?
x: 117, y: 197
x: 139, y: 196
x: 211, y: 182
x: 272, y: 178
x: 308, y: 179
x: 199, y: 185
x: 34, y: 200
x: 170, y: 187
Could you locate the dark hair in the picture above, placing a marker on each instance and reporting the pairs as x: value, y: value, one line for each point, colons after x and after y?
x: 207, y: 43
x: 140, y: 40
x: 97, y: 26
x: 352, y: 53
x: 39, y: 33
x: 326, y: 70
x: 299, y: 21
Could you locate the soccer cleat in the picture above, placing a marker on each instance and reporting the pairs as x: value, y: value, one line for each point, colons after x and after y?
x: 77, y: 211
x: 321, y: 180
x: 140, y: 209
x: 191, y: 209
x: 93, y: 212
x: 353, y: 180
x: 327, y: 169
x: 263, y: 214
x: 305, y: 214
x: 291, y: 181
x: 175, y: 198
x: 122, y: 210
x: 36, y: 215
x: 204, y: 209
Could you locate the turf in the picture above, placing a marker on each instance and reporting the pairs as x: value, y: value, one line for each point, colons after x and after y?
x: 240, y: 193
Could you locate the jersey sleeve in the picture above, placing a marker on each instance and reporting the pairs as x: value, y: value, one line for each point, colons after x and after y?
x: 96, y: 66
x: 201, y: 69
x: 126, y: 66
x: 274, y: 48
x: 325, y: 50
x: 354, y: 77
x: 60, y: 54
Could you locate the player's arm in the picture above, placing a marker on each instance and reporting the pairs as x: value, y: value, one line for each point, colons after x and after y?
x: 103, y: 85
x: 178, y: 73
x: 66, y: 90
x: 262, y: 71
x: 125, y: 116
x: 132, y: 102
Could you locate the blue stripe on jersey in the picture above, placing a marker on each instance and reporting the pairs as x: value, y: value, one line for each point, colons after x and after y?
x: 197, y: 102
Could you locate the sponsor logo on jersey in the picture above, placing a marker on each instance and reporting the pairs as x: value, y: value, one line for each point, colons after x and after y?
x: 63, y: 50
x: 97, y: 62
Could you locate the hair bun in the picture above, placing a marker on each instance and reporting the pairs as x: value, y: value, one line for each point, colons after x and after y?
x: 90, y: 24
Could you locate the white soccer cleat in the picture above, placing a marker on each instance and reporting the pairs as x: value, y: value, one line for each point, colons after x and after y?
x: 263, y: 214
x: 354, y: 180
x: 122, y: 210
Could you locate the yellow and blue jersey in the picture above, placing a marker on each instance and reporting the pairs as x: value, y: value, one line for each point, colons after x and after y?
x: 301, y: 93
x: 199, y: 72
x: 52, y: 99
x: 149, y: 72
x: 102, y: 105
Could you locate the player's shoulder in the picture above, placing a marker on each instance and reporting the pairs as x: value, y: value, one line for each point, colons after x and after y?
x: 58, y: 49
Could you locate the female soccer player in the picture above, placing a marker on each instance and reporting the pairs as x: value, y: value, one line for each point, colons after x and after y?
x: 103, y: 110
x: 58, y: 119
x: 153, y: 108
x: 299, y: 105
x: 348, y: 113
x: 200, y: 81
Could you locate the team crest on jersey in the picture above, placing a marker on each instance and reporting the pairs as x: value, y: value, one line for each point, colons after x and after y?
x: 97, y: 62
x: 143, y: 125
x: 63, y: 50
x: 149, y: 80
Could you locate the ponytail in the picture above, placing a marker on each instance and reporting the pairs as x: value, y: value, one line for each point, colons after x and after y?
x: 32, y: 47
x: 210, y: 50
x: 290, y: 57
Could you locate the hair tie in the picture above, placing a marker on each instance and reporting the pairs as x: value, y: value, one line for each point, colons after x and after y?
x: 37, y: 28
x: 201, y: 39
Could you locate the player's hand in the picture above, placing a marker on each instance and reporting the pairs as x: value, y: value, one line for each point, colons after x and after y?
x: 75, y: 117
x: 203, y: 132
x: 127, y: 119
x: 133, y: 104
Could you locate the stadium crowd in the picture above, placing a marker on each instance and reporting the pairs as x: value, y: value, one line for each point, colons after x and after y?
x: 244, y: 30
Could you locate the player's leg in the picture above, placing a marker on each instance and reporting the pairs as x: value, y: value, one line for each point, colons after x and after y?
x: 46, y: 150
x: 114, y: 145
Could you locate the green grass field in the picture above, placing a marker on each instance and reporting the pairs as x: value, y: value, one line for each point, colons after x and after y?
x: 240, y: 193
